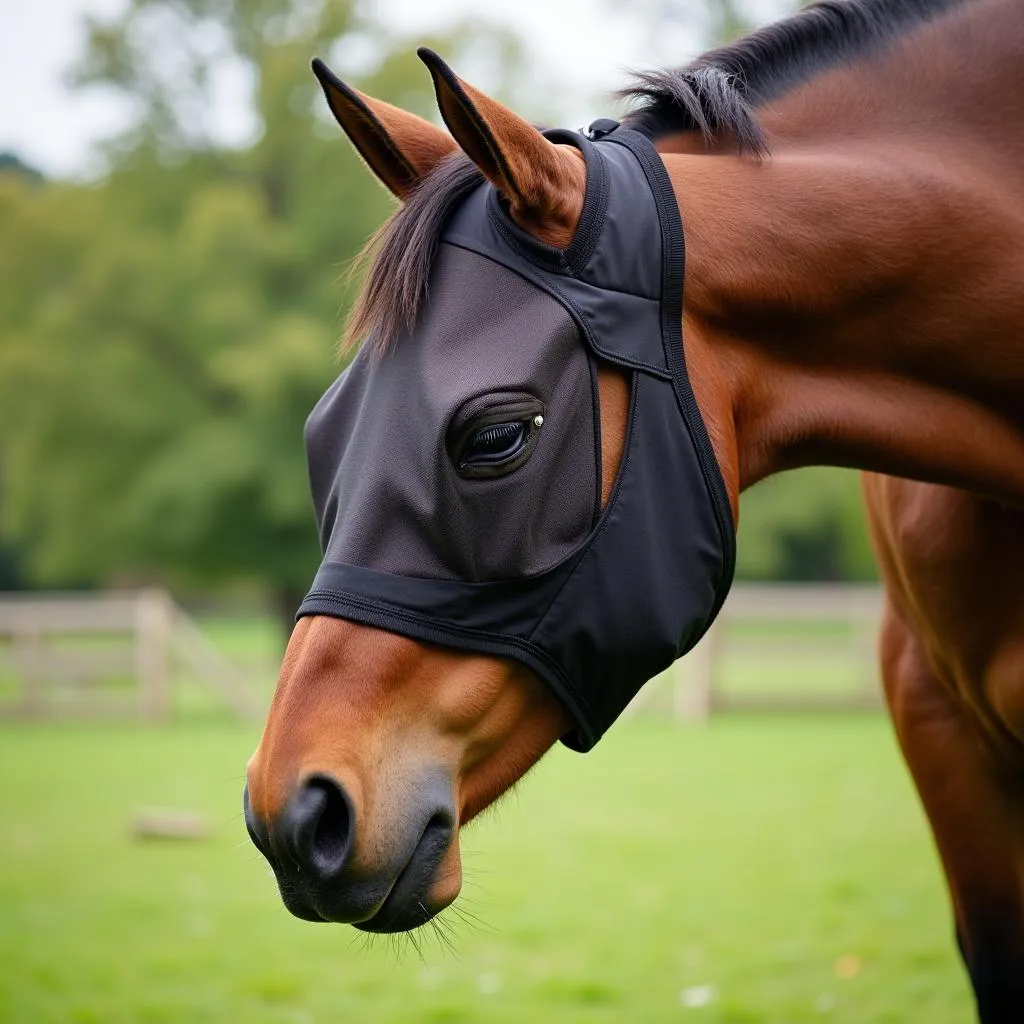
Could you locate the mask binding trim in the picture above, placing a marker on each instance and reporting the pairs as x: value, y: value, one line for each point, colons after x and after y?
x: 673, y: 283
x: 383, y: 615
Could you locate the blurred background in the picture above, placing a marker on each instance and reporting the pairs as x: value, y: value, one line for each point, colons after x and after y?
x: 176, y: 214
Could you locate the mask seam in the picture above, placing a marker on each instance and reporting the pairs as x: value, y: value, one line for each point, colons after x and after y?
x: 606, y: 512
x: 442, y: 628
x: 468, y: 244
x: 573, y: 310
x: 595, y: 402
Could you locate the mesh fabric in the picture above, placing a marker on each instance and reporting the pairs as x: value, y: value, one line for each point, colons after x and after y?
x: 386, y: 488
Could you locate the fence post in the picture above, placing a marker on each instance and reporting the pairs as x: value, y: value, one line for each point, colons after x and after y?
x: 154, y: 618
x: 694, y: 680
x: 866, y: 654
x: 30, y: 663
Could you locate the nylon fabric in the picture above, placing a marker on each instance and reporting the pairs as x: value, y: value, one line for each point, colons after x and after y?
x: 520, y: 562
x: 395, y: 500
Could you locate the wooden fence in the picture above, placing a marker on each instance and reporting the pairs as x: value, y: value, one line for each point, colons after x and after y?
x: 108, y: 655
x: 773, y: 648
x: 778, y: 648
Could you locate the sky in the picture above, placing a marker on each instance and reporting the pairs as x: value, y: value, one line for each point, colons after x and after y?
x: 588, y: 43
x: 38, y: 119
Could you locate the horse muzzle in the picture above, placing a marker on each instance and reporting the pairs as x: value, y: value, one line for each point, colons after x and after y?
x: 326, y: 871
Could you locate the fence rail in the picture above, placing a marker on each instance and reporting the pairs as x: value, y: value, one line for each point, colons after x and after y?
x: 774, y: 648
x: 820, y: 641
x: 108, y: 655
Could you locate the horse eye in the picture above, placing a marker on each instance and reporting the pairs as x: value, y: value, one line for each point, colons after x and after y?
x: 499, y: 448
x: 492, y: 445
x: 492, y: 439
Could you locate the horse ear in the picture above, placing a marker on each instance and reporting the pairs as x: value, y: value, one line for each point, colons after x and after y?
x: 399, y: 147
x: 544, y: 183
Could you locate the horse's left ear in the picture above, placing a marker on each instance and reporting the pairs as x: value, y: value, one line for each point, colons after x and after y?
x: 399, y: 147
x: 543, y: 182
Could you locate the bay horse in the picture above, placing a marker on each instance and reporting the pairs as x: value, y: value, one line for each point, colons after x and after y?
x: 851, y: 182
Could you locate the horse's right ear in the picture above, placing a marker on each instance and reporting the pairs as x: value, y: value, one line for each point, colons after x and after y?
x: 399, y: 147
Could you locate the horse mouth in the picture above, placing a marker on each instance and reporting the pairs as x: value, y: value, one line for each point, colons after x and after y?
x: 405, y: 904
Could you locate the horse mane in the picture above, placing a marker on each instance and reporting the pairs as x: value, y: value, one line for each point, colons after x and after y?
x: 717, y: 95
x: 401, y: 253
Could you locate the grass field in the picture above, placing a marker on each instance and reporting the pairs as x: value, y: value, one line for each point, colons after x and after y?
x: 772, y: 870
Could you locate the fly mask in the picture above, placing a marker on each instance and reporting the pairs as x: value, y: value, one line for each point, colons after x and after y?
x: 456, y: 476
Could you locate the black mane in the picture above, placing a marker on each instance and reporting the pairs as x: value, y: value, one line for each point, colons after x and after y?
x: 717, y: 93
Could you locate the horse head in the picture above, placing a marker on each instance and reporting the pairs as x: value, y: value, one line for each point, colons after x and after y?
x: 521, y: 513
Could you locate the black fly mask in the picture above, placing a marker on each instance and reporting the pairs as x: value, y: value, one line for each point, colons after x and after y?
x: 457, y: 477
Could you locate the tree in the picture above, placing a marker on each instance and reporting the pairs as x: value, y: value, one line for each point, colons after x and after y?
x: 805, y: 525
x: 11, y: 163
x: 167, y: 330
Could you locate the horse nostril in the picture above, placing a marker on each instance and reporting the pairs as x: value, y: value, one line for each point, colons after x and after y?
x: 315, y: 828
x: 333, y: 830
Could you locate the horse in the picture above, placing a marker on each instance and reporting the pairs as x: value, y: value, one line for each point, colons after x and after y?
x: 851, y: 185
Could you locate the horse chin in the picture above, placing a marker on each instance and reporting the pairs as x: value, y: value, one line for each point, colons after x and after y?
x: 406, y: 907
x: 400, y: 915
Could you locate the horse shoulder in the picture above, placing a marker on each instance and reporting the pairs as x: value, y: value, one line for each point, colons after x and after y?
x: 953, y: 566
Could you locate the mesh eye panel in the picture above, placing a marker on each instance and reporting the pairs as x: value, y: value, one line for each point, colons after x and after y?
x: 387, y: 494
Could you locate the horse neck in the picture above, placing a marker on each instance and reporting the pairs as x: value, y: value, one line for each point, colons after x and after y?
x: 858, y: 301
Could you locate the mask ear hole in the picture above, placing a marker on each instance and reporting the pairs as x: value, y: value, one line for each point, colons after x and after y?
x: 613, y: 387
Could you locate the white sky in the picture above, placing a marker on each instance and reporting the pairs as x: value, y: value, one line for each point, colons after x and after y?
x: 572, y: 41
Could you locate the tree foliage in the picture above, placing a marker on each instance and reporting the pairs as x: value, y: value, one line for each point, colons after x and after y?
x: 805, y: 525
x: 165, y: 330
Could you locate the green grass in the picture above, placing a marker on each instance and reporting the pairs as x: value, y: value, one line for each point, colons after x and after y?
x: 246, y: 637
x: 749, y: 856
